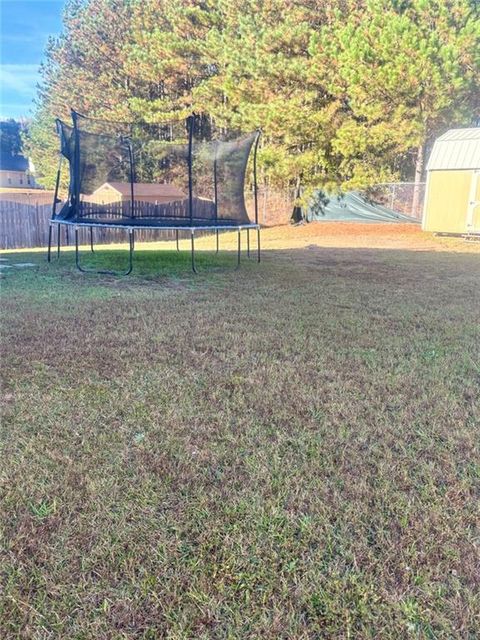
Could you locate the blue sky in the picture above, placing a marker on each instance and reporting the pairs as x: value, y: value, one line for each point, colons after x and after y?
x: 25, y: 26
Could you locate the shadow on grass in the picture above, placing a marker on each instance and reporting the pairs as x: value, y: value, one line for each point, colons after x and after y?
x: 164, y: 265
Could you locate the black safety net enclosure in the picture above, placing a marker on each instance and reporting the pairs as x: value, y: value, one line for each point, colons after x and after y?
x: 179, y: 176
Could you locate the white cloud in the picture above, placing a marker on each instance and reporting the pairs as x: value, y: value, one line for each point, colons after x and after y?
x: 19, y: 78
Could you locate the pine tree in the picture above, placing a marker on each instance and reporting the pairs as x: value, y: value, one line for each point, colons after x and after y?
x: 10, y: 137
x: 347, y: 92
x: 402, y: 72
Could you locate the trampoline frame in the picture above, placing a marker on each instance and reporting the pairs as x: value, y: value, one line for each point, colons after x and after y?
x: 130, y: 227
x: 131, y: 235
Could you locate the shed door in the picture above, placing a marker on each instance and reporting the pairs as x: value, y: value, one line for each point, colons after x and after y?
x: 473, y: 212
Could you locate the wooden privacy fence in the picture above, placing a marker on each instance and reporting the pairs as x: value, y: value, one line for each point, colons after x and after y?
x: 177, y: 209
x: 25, y: 224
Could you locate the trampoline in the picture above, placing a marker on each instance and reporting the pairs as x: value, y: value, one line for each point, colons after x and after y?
x: 182, y: 177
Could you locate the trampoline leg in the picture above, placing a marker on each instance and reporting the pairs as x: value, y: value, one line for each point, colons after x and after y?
x: 59, y: 229
x: 67, y: 236
x: 102, y: 272
x: 258, y: 244
x: 49, y: 250
x: 239, y: 247
x: 194, y: 269
x: 217, y: 241
x: 130, y: 253
x: 77, y: 261
x: 248, y: 243
x: 91, y: 240
x: 176, y: 239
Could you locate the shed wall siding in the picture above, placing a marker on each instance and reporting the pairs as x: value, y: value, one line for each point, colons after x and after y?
x: 447, y: 201
x: 476, y: 211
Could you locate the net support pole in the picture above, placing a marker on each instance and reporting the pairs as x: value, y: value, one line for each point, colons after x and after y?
x: 215, y: 195
x: 132, y: 179
x: 255, y: 192
x: 248, y: 243
x: 190, y: 122
x: 54, y: 207
x: 91, y: 240
x: 76, y: 165
x: 176, y: 239
x: 57, y: 186
x: 255, y: 185
x: 215, y: 184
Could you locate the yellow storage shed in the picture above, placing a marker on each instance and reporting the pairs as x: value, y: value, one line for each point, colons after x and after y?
x: 452, y: 197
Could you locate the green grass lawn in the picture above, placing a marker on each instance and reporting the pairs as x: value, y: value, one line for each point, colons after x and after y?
x: 290, y: 450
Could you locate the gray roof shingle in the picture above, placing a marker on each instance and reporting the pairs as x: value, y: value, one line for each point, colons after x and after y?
x: 12, y: 163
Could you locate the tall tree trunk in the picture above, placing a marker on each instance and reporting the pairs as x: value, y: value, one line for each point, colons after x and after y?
x: 418, y: 178
x: 298, y: 214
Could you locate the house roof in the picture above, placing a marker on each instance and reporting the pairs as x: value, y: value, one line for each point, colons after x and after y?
x: 144, y: 189
x: 456, y: 149
x: 12, y: 163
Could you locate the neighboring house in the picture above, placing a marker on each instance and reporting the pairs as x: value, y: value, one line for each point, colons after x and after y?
x: 16, y: 172
x: 144, y: 192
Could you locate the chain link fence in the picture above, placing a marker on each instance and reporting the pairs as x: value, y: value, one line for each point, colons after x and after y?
x: 275, y: 206
x: 404, y: 197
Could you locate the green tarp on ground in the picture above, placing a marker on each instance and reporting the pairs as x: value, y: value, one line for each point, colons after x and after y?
x: 351, y: 206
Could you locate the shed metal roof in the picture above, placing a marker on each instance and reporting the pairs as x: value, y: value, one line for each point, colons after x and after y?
x: 456, y: 149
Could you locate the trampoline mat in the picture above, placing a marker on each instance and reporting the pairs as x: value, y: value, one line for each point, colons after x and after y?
x: 154, y: 223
